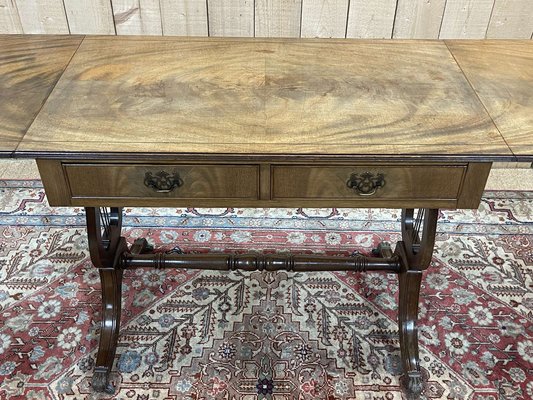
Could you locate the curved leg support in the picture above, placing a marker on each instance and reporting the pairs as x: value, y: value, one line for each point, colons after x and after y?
x: 106, y: 247
x: 111, y: 305
x: 408, y: 315
x: 415, y: 252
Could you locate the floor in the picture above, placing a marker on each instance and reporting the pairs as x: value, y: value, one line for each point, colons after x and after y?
x: 504, y: 176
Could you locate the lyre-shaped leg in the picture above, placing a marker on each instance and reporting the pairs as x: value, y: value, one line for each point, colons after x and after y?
x: 415, y: 251
x: 106, y: 246
x: 111, y: 280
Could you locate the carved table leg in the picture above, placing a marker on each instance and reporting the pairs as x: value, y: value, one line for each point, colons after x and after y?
x: 415, y: 252
x: 106, y: 247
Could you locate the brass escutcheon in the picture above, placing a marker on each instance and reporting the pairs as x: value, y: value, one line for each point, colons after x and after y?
x: 366, y: 183
x: 162, y: 182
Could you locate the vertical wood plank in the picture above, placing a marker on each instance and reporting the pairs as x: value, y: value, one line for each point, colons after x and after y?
x: 137, y: 17
x: 371, y: 19
x: 324, y: 18
x: 466, y: 19
x: 9, y: 17
x: 277, y: 18
x: 90, y: 17
x: 418, y: 19
x: 42, y: 16
x: 184, y: 17
x: 511, y: 19
x: 231, y: 17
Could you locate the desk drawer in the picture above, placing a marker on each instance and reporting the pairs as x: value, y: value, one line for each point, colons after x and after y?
x: 360, y: 182
x: 195, y: 183
x: 170, y: 181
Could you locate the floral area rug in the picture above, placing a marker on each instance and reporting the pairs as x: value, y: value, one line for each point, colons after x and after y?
x: 233, y: 335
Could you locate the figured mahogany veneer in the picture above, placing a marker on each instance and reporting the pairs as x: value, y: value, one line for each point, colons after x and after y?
x: 127, y: 181
x: 401, y: 183
x: 30, y: 66
x: 265, y: 96
x: 501, y: 73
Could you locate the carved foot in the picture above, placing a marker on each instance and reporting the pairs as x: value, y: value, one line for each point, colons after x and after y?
x: 413, y: 384
x: 101, y: 382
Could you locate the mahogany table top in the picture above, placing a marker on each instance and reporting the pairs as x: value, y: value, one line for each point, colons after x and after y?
x: 204, y: 96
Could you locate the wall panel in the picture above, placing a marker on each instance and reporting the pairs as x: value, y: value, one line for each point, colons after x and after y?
x: 9, y: 17
x: 91, y: 17
x: 399, y: 19
x: 324, y: 18
x: 231, y: 17
x: 42, y: 16
x: 184, y: 17
x: 466, y: 19
x: 371, y: 19
x: 137, y: 17
x: 277, y: 18
x: 511, y: 19
x: 418, y: 19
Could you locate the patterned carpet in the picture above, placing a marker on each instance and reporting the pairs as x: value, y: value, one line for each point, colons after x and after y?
x: 217, y: 335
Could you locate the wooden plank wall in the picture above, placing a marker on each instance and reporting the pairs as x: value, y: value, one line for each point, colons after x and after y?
x: 430, y: 19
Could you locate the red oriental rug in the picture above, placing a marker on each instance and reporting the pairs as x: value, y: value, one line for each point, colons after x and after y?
x: 240, y: 336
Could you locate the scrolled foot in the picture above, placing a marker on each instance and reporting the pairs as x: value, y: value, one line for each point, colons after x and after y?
x: 413, y: 384
x: 101, y: 382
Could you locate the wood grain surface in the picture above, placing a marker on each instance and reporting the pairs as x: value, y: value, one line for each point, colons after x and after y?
x: 29, y: 68
x: 501, y: 72
x: 270, y: 96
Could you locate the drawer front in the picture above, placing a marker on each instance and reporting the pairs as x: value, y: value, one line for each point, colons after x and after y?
x: 165, y: 181
x: 360, y: 182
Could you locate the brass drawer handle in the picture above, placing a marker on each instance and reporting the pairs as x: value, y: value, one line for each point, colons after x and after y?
x: 162, y: 182
x: 366, y: 183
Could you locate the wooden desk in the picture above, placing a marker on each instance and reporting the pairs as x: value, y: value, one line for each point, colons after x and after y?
x: 278, y: 123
